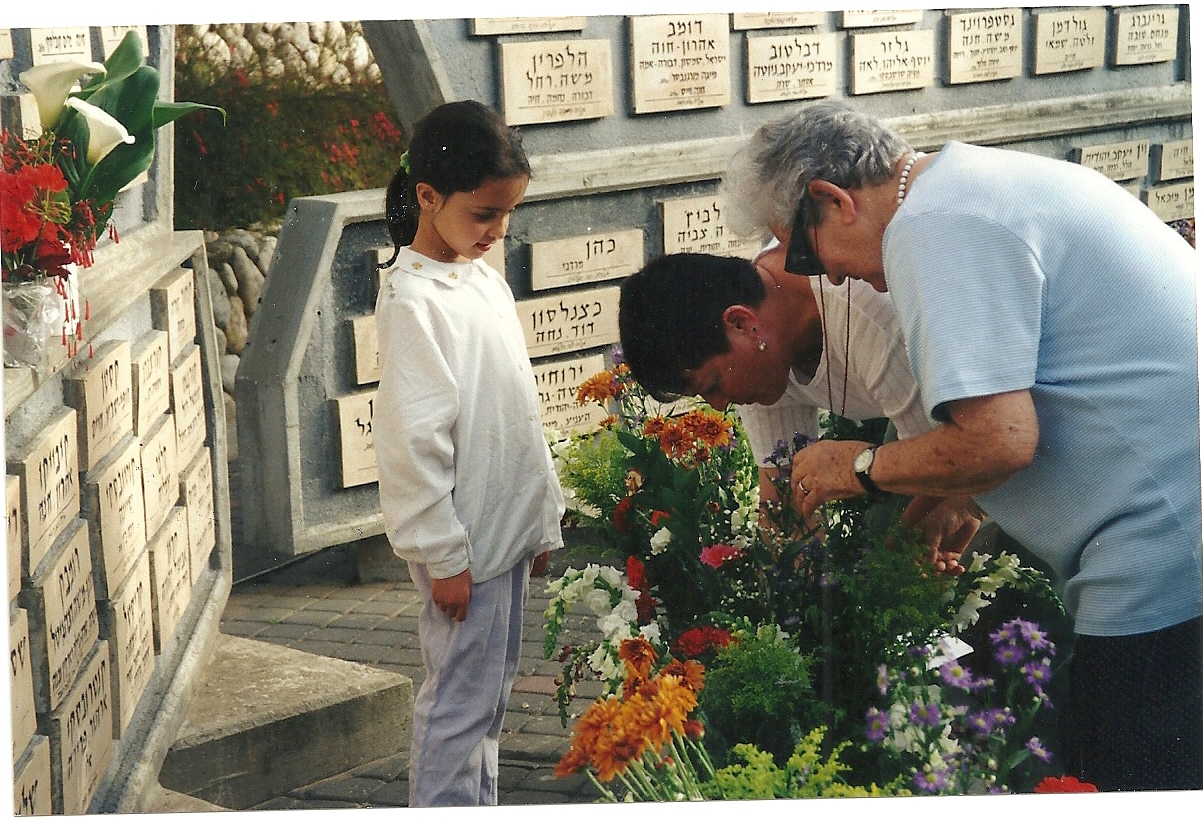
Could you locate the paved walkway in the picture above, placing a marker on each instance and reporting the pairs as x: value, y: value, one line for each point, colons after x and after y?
x: 317, y: 605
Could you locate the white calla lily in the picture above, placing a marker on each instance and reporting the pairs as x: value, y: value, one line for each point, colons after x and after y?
x: 104, y: 131
x: 50, y: 84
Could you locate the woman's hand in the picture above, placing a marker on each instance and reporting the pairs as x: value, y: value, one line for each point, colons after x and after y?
x: 452, y: 594
x: 822, y: 472
x: 947, y: 525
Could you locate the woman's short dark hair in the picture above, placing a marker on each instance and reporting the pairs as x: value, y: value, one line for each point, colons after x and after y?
x: 670, y: 316
x: 454, y: 148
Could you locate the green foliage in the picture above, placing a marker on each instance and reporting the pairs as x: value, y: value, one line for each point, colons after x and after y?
x: 592, y: 467
x: 806, y: 774
x: 758, y: 690
x: 283, y: 138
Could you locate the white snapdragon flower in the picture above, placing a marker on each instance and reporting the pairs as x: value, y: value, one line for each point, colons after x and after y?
x: 651, y: 633
x: 660, y: 541
x: 598, y: 601
x: 619, y: 620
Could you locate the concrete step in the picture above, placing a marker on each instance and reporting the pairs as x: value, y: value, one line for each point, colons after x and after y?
x: 266, y: 719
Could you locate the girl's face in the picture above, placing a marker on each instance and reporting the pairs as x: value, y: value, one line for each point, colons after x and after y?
x: 464, y: 225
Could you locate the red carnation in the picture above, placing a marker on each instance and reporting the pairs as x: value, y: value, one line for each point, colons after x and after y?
x: 1064, y: 784
x: 621, y: 517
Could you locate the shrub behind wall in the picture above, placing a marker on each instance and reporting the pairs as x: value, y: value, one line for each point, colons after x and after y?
x: 302, y: 118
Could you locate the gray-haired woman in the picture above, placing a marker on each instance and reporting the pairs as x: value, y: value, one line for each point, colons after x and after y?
x: 1049, y: 319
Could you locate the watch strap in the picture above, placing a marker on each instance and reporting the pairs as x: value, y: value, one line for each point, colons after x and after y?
x: 863, y: 475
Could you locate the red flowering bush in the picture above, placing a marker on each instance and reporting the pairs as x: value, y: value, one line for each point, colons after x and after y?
x: 1064, y: 784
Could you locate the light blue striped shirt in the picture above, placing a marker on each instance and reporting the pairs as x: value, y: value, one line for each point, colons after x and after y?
x: 1012, y: 271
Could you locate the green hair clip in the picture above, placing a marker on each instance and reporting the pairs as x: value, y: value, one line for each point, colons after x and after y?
x: 405, y: 162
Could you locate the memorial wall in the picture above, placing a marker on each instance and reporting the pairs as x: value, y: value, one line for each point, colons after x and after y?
x: 118, y: 529
x: 629, y: 123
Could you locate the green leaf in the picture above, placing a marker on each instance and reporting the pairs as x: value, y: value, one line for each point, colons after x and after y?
x: 126, y: 58
x: 132, y: 101
x: 120, y: 167
x: 165, y: 113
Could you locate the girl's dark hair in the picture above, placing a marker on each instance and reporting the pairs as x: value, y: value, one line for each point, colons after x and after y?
x: 670, y: 316
x: 454, y: 148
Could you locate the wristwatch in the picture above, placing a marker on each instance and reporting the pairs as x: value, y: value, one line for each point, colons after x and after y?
x: 861, y: 465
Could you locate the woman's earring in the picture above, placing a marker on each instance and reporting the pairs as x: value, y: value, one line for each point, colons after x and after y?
x: 762, y: 346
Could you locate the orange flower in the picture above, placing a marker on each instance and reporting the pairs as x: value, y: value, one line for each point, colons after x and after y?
x: 587, y: 733
x: 691, y: 673
x: 654, y: 426
x: 600, y: 387
x: 639, y: 656
x: 712, y: 430
x: 675, y: 440
x: 608, y: 422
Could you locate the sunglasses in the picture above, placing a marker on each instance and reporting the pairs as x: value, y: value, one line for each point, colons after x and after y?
x: 799, y: 259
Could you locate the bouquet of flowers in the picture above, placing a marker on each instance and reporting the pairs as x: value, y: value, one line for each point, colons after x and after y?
x: 57, y: 189
x: 674, y: 486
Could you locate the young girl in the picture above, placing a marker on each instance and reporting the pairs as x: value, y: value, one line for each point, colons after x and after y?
x: 467, y: 485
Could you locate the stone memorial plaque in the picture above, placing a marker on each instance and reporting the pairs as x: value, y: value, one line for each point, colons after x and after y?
x: 556, y: 81
x: 63, y: 619
x: 365, y: 344
x: 100, y: 389
x: 1069, y: 40
x: 893, y: 61
x: 160, y: 473
x: 188, y: 405
x: 525, y: 25
x: 557, y: 384
x: 985, y: 45
x: 170, y: 577
x: 698, y: 225
x: 1146, y: 35
x: 6, y: 43
x: 680, y: 62
x: 570, y: 321
x: 31, y: 779
x: 20, y: 662
x: 128, y: 628
x: 1172, y: 202
x: 50, y: 486
x: 742, y: 21
x: 869, y: 18
x: 81, y: 736
x: 111, y: 37
x: 12, y: 538
x: 19, y: 114
x: 1116, y: 160
x: 495, y: 259
x: 173, y: 308
x: 791, y: 67
x: 113, y: 503
x: 1172, y: 160
x: 149, y: 369
x: 60, y: 43
x: 357, y: 452
x: 196, y: 495
x: 589, y: 258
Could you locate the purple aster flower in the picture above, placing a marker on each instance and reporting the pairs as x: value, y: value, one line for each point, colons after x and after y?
x: 1033, y: 635
x: 883, y: 680
x: 957, y: 676
x: 980, y: 723
x: 1008, y: 632
x: 1038, y: 673
x: 876, y: 725
x: 931, y: 781
x: 1009, y: 654
x: 925, y: 713
x: 1001, y: 718
x: 1038, y: 750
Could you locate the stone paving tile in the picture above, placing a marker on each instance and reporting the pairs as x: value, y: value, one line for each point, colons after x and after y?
x: 393, y: 794
x: 353, y: 789
x: 355, y: 622
x: 285, y: 632
x: 340, y: 605
x: 318, y: 619
x: 381, y: 637
x: 239, y: 628
x: 388, y: 768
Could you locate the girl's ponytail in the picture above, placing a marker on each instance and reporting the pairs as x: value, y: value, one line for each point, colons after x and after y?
x: 400, y: 213
x: 454, y: 148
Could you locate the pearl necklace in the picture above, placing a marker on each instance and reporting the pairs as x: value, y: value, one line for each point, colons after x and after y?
x: 906, y: 172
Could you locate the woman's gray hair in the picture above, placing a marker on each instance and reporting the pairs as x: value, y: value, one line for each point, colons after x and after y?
x: 823, y: 140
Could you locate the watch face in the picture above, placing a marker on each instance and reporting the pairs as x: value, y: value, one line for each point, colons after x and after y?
x: 863, y: 460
